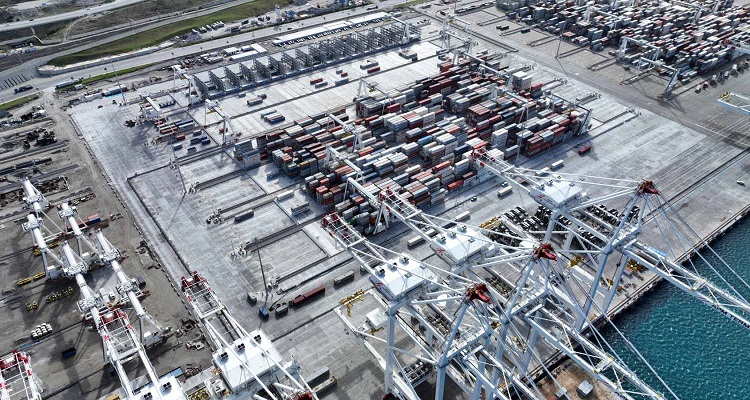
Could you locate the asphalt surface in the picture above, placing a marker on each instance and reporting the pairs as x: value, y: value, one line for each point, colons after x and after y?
x: 48, y: 83
x: 67, y: 15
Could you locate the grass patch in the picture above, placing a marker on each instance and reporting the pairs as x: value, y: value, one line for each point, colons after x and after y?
x: 158, y: 35
x: 409, y: 3
x: 108, y: 75
x: 46, y: 31
x: 142, y: 10
x: 18, y: 102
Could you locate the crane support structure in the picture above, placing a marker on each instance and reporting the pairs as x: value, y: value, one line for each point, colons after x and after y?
x: 566, y: 198
x: 33, y: 198
x: 120, y: 342
x: 68, y: 214
x: 226, y: 125
x: 17, y: 381
x: 654, y: 53
x: 248, y: 362
x: 543, y: 300
x: 735, y: 102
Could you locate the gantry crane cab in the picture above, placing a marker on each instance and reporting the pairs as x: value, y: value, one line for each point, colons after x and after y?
x: 555, y: 193
x: 402, y: 277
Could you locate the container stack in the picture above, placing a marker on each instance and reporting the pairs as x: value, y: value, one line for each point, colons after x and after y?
x: 692, y: 47
x: 416, y: 140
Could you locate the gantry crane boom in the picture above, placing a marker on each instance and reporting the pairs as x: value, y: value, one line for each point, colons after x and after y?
x: 405, y: 285
x: 110, y: 255
x: 247, y: 361
x: 68, y: 214
x: 120, y: 343
x: 533, y: 287
x: 565, y: 198
x: 34, y: 199
x: 34, y: 225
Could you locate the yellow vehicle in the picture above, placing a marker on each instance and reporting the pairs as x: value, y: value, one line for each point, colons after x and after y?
x: 24, y: 281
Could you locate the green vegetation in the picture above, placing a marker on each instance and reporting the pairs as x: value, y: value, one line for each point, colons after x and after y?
x: 409, y: 3
x: 46, y: 31
x: 108, y: 75
x: 18, y: 102
x: 158, y: 35
x: 142, y: 10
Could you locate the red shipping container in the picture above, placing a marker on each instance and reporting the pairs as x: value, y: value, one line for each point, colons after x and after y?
x: 455, y: 185
x: 480, y: 145
x: 393, y: 108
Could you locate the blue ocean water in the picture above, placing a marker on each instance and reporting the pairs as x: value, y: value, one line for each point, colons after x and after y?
x: 699, y: 353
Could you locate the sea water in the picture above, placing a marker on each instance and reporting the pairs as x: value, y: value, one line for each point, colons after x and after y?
x: 698, y: 352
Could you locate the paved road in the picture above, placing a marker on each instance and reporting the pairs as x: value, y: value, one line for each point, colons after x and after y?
x: 48, y: 83
x: 66, y: 16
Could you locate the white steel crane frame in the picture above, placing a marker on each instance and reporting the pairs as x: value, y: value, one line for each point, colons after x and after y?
x: 210, y: 310
x: 349, y: 128
x: 533, y: 286
x: 17, y: 381
x: 119, y: 341
x: 34, y: 199
x: 504, y: 347
x: 623, y: 237
x: 405, y: 285
x: 213, y: 106
x: 109, y: 255
x: 624, y: 47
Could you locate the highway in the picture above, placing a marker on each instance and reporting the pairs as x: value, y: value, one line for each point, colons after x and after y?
x: 67, y: 15
x: 265, y: 34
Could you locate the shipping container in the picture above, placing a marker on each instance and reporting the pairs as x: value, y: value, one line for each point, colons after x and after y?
x: 343, y: 278
x: 301, y: 299
x: 416, y: 240
x: 69, y: 353
x: 282, y: 309
x: 463, y: 216
x: 505, y: 191
x: 244, y: 216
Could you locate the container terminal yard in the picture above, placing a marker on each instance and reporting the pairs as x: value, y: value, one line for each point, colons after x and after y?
x: 445, y: 201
